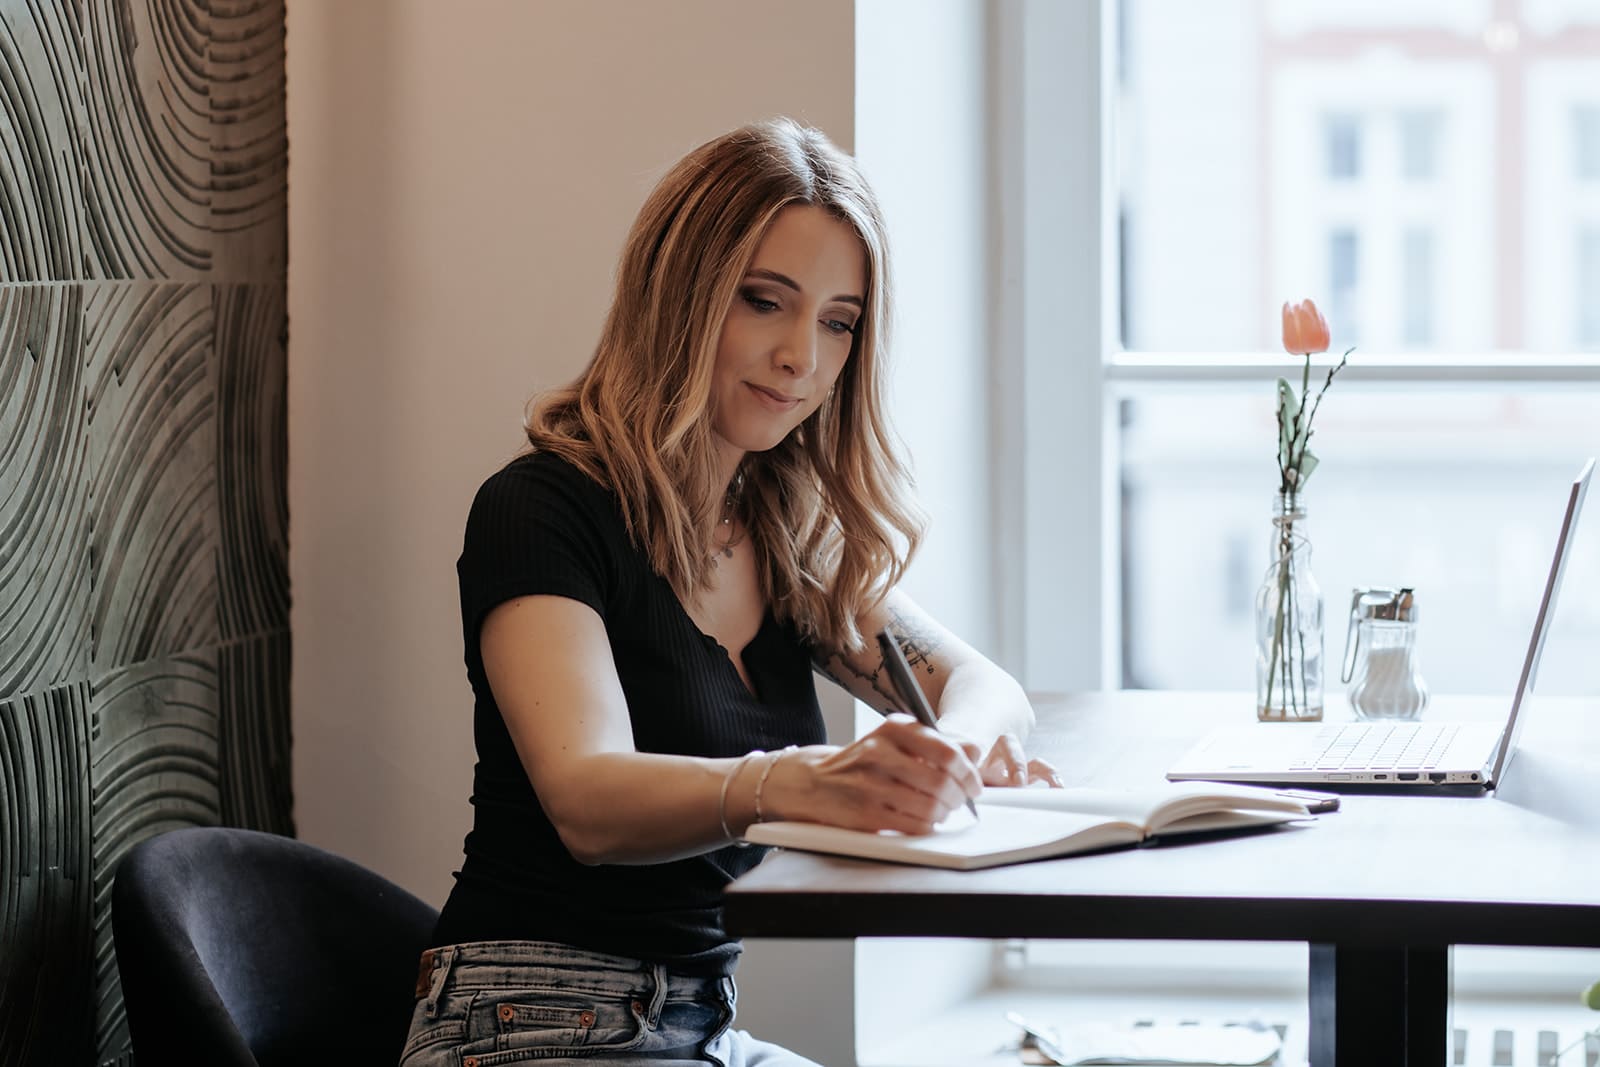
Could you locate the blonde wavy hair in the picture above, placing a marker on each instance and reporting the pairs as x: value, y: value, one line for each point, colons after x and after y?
x: 829, y: 510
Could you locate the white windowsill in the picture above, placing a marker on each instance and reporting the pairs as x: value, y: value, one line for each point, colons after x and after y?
x: 1503, y: 368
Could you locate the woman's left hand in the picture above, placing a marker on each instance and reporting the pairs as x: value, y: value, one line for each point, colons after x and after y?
x: 1008, y: 765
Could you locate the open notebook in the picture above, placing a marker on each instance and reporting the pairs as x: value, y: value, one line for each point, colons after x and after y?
x: 1027, y: 824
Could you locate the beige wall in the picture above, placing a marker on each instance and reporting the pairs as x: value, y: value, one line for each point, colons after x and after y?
x: 462, y: 177
x: 462, y: 174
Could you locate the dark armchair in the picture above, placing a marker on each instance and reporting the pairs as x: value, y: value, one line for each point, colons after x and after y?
x: 240, y: 949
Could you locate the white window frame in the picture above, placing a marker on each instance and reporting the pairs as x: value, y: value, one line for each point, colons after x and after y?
x: 1059, y: 375
x: 1055, y: 304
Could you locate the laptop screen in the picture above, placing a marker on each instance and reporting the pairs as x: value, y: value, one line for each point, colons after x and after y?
x: 1541, y: 625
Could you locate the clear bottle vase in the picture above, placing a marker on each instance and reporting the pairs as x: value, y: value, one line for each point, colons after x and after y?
x: 1289, y: 623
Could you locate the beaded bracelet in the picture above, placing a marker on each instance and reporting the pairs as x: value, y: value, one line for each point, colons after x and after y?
x: 722, y: 799
x: 762, y: 781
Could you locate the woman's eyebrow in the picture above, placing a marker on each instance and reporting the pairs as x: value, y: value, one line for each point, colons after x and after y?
x: 788, y: 282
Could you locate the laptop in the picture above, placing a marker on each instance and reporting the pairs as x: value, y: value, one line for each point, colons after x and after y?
x: 1436, y: 754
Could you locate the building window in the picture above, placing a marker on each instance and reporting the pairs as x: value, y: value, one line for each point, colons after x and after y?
x: 1342, y: 135
x: 1419, y: 145
x: 1586, y: 142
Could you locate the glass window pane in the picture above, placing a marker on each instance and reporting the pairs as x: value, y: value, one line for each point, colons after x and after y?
x: 1419, y: 133
x: 1343, y: 139
x: 1455, y: 493
x: 1586, y: 142
x: 1476, y: 122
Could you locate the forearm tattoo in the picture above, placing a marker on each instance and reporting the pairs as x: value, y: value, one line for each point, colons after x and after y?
x: 917, y: 643
x: 841, y: 670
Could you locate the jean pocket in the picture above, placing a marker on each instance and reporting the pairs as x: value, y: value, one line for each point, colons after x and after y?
x: 559, y: 1024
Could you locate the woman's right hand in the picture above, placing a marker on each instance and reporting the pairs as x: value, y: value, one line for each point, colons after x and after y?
x: 901, y: 776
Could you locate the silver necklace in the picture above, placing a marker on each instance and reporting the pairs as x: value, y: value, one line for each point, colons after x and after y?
x: 729, y: 536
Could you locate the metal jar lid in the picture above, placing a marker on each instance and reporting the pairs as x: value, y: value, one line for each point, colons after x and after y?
x: 1397, y: 605
x: 1389, y: 605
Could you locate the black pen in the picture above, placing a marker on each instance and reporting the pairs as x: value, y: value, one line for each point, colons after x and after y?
x: 910, y: 692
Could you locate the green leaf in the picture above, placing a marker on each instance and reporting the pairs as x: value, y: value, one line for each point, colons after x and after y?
x: 1308, y: 463
x: 1288, y: 403
x: 1288, y: 422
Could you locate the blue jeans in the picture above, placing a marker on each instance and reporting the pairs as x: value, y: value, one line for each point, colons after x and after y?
x: 494, y: 1002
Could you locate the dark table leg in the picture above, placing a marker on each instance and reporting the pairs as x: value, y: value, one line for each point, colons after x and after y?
x: 1372, y: 1006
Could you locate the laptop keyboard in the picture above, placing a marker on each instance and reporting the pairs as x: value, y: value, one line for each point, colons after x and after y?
x: 1373, y: 746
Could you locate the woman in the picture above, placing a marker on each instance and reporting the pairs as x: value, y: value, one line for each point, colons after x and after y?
x: 720, y: 479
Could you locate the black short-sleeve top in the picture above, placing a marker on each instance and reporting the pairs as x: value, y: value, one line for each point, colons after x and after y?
x: 540, y: 526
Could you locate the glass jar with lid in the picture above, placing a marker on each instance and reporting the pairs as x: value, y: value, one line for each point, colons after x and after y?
x: 1380, y: 658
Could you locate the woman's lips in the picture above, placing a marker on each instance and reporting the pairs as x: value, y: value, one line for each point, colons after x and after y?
x: 772, y: 399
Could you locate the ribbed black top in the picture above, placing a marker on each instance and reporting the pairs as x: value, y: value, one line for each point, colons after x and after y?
x: 541, y: 526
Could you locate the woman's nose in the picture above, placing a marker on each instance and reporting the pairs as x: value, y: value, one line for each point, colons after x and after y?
x: 797, y: 352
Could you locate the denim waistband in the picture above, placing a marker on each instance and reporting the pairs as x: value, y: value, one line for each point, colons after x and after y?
x: 554, y: 966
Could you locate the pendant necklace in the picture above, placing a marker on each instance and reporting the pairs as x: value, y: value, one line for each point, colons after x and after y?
x: 730, y: 503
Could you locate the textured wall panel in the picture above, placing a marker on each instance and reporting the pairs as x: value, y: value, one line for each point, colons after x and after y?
x: 44, y: 523
x: 147, y: 173
x: 253, y: 677
x: 252, y: 459
x: 41, y: 113
x: 153, y: 768
x: 152, y: 447
x: 249, y: 139
x: 144, y: 601
x: 45, y: 878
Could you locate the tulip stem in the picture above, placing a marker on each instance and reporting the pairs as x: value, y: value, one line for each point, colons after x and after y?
x: 1335, y: 369
x: 1292, y: 700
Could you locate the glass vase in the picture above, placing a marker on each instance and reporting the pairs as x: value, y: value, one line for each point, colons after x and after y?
x: 1289, y: 623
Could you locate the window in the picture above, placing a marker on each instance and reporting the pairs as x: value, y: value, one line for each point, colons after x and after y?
x: 1419, y: 135
x: 1452, y: 491
x: 1586, y: 141
x: 1415, y: 169
x: 1343, y: 133
x: 1373, y: 161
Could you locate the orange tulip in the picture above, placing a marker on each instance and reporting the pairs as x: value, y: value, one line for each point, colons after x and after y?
x: 1304, y: 329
